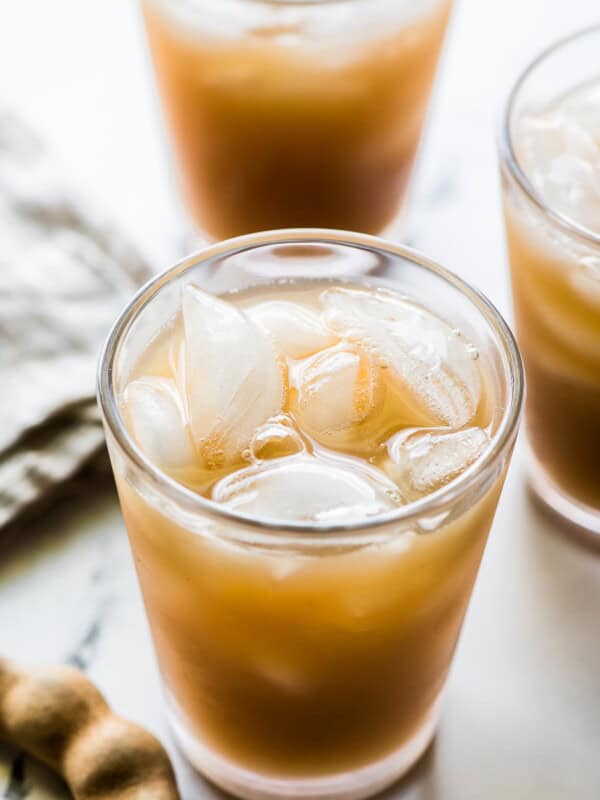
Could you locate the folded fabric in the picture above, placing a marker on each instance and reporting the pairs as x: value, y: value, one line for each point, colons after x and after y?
x: 64, y: 275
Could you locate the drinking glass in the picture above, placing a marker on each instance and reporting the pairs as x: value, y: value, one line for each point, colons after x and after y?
x: 555, y: 268
x: 307, y: 659
x: 294, y: 112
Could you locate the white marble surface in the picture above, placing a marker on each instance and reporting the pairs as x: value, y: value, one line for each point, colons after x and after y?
x: 522, y: 716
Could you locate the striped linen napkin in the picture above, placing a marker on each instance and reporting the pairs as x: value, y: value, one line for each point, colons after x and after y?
x: 64, y: 275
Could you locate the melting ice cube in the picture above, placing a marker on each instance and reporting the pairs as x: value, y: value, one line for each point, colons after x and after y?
x: 297, y: 331
x: 423, y: 460
x: 337, y: 389
x: 560, y: 152
x: 432, y: 364
x: 233, y: 380
x: 276, y: 438
x: 306, y: 488
x: 157, y: 420
x: 584, y: 106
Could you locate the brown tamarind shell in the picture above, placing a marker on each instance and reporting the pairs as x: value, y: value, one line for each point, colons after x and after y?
x: 58, y: 716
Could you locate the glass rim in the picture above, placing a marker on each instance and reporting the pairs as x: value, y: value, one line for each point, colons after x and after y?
x: 507, y: 150
x: 412, y: 512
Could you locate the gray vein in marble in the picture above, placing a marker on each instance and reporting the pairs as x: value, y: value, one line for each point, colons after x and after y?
x: 17, y: 787
x: 82, y: 654
x: 444, y: 192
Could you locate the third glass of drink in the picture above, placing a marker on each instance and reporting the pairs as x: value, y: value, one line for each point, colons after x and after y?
x: 550, y: 151
x: 308, y: 469
x: 294, y: 113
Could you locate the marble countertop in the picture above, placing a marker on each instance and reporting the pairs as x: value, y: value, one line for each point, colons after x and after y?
x: 522, y: 712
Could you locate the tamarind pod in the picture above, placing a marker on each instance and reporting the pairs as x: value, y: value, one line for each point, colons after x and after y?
x: 58, y: 716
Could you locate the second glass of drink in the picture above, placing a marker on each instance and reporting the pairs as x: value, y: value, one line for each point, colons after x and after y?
x: 290, y: 113
x: 550, y: 156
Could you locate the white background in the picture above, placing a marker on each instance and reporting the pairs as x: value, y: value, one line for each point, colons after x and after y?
x: 522, y: 716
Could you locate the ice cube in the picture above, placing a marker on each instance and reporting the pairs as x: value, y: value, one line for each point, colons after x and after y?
x: 336, y: 389
x: 276, y: 438
x: 176, y: 361
x: 310, y: 489
x: 296, y: 330
x: 423, y: 460
x: 233, y: 379
x: 559, y: 149
x: 431, y: 364
x: 156, y: 418
x: 545, y: 137
x: 584, y: 106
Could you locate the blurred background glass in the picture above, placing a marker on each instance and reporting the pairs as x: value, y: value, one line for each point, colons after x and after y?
x: 552, y: 213
x: 288, y: 114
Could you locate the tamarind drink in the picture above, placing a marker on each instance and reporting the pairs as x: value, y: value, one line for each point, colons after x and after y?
x: 294, y: 655
x: 295, y: 114
x: 556, y: 289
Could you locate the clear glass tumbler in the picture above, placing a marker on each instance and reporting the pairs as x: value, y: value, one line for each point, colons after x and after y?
x: 294, y: 112
x: 307, y: 660
x: 555, y: 266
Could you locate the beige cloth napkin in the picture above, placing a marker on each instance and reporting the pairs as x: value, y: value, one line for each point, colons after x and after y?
x: 64, y: 275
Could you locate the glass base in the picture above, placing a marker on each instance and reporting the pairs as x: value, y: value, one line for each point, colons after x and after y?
x: 191, y: 239
x: 351, y: 785
x: 583, y: 519
x: 287, y: 262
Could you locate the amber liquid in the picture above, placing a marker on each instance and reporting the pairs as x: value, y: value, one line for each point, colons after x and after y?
x: 301, y: 662
x: 298, y: 665
x: 272, y: 136
x: 558, y: 323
